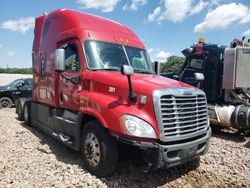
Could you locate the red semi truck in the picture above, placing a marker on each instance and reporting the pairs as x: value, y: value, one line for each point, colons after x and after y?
x: 94, y: 86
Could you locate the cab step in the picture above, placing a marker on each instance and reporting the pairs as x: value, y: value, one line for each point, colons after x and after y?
x: 62, y: 137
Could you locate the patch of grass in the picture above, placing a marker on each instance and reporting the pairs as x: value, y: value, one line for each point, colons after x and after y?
x: 16, y: 70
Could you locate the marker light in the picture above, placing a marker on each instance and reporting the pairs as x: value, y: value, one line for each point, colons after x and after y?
x: 202, y: 40
x: 198, y: 48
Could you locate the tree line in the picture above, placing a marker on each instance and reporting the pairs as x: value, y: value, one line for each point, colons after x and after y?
x: 16, y: 70
x: 172, y: 64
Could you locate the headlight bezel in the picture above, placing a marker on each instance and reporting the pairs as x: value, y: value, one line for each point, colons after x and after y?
x: 134, y: 126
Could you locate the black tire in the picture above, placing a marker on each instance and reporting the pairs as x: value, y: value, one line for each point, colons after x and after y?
x: 108, y: 156
x: 19, y: 110
x: 5, y: 102
x: 27, y: 113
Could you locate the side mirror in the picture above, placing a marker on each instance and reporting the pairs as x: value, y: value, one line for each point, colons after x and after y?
x: 157, y: 67
x: 127, y: 70
x: 20, y: 84
x: 60, y: 59
x: 74, y: 79
x: 199, y: 76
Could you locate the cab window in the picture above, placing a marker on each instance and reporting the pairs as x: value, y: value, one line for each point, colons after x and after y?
x: 28, y: 83
x: 17, y: 83
x: 72, y: 62
x: 195, y: 64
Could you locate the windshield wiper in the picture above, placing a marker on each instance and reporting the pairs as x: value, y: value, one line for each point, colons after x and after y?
x: 106, y: 69
x: 143, y: 72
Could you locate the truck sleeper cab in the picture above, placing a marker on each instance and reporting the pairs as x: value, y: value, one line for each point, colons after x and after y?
x: 94, y: 86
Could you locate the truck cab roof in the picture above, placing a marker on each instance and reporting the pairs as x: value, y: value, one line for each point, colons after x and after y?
x: 62, y: 24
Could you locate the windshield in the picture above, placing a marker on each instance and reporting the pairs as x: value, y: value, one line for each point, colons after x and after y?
x: 110, y: 56
x: 14, y: 83
x: 195, y: 63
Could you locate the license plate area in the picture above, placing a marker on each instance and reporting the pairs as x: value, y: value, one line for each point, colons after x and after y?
x: 188, y: 152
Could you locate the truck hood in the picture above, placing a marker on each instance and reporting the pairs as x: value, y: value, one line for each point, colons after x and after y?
x: 142, y: 83
x: 106, y: 93
x: 3, y: 88
x: 156, y: 81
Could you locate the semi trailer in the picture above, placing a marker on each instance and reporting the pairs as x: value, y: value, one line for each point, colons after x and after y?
x: 223, y: 73
x: 94, y: 86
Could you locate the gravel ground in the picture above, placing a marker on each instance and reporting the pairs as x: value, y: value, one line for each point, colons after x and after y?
x: 30, y: 158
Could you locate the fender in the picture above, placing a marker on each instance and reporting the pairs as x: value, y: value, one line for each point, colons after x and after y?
x: 108, y: 110
x: 93, y: 112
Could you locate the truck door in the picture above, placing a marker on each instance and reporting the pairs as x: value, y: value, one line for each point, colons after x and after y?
x: 70, y: 79
x: 194, y: 64
x: 15, y: 89
x: 26, y: 89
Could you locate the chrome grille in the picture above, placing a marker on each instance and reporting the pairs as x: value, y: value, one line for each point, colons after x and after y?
x: 180, y: 115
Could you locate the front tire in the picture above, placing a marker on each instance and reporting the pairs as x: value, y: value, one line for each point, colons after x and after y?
x: 99, y: 150
x: 5, y: 102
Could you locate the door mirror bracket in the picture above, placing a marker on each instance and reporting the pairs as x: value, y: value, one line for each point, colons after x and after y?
x: 128, y: 70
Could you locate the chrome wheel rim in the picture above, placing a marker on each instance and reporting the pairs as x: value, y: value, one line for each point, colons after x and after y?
x: 92, y: 149
x: 5, y: 103
x: 25, y: 113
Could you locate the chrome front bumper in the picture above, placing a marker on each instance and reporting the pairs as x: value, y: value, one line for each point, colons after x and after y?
x: 159, y: 155
x: 172, y: 155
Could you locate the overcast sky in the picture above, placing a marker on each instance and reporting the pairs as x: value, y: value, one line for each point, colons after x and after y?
x: 165, y: 26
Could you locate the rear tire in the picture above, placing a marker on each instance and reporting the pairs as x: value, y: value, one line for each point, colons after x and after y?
x: 5, y: 102
x: 27, y: 113
x: 19, y: 110
x: 99, y: 149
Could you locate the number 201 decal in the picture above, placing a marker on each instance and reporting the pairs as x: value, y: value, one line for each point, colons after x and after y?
x: 112, y: 89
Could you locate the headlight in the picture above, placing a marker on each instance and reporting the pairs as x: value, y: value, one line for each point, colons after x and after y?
x: 134, y: 126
